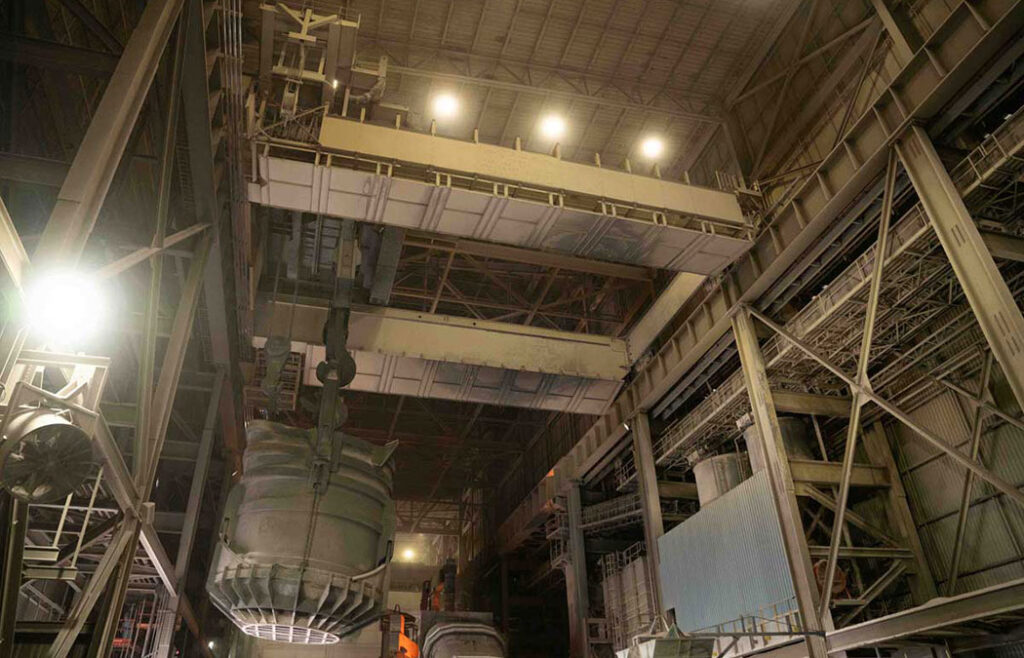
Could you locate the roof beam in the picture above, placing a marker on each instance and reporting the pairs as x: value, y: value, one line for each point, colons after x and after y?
x: 44, y: 54
x: 551, y: 92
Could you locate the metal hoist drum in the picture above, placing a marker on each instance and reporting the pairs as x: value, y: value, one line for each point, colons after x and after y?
x: 293, y: 566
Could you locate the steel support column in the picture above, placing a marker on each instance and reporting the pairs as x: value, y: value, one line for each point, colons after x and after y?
x: 897, y: 510
x: 647, y: 481
x: 1005, y: 487
x: 165, y: 630
x: 94, y: 588
x: 174, y: 358
x: 218, y: 292
x: 147, y: 356
x: 864, y: 358
x: 977, y: 427
x: 85, y: 188
x: 990, y: 298
x: 576, y: 588
x: 769, y: 436
x: 15, y: 519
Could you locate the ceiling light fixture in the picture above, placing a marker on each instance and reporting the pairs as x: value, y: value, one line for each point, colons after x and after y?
x: 552, y: 126
x: 652, y: 147
x: 446, y: 106
x: 63, y: 309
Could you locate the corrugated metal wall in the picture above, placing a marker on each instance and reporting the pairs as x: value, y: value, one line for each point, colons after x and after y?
x: 995, y: 527
x: 727, y: 561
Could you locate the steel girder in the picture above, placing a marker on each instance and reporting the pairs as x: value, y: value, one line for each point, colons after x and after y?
x: 576, y: 575
x: 971, y: 35
x: 650, y: 501
x: 85, y: 187
x: 975, y: 268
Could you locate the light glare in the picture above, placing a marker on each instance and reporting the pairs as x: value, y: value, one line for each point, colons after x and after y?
x: 552, y: 126
x: 64, y: 308
x: 408, y: 554
x: 445, y: 106
x: 652, y: 147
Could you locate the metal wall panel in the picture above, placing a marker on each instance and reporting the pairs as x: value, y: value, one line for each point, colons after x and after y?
x: 995, y: 528
x: 727, y: 561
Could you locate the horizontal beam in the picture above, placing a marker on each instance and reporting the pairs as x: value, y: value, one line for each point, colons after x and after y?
x: 30, y: 169
x: 530, y: 256
x: 1007, y: 247
x: 687, y: 490
x: 864, y: 552
x: 527, y: 170
x: 828, y: 473
x: 484, y: 192
x: 453, y: 340
x: 811, y: 404
x: 937, y: 614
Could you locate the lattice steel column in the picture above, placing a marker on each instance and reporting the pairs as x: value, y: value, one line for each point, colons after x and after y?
x: 15, y: 519
x: 650, y: 502
x: 897, y: 510
x: 576, y: 575
x: 989, y: 296
x: 85, y: 186
x: 169, y: 616
x: 769, y: 436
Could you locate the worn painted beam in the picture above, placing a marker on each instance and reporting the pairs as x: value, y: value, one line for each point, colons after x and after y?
x: 811, y: 404
x: 987, y: 292
x: 829, y: 473
x: 777, y: 466
x: 452, y: 339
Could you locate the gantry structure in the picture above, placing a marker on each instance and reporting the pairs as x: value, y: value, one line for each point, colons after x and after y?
x: 558, y: 329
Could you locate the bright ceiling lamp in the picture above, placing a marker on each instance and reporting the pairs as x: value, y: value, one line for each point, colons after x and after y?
x: 552, y: 126
x: 445, y: 106
x: 64, y: 309
x: 408, y: 554
x: 652, y: 147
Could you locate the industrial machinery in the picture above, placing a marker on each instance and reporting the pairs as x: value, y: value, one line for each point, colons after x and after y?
x: 442, y: 631
x: 302, y: 560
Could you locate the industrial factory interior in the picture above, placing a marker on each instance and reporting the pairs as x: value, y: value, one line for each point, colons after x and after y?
x: 512, y: 328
